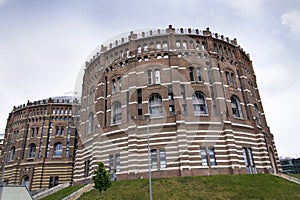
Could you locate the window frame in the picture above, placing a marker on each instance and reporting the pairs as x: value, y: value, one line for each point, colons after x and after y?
x: 236, y: 107
x: 57, y: 150
x: 199, y: 104
x: 155, y: 106
x: 31, y: 151
x: 116, y: 117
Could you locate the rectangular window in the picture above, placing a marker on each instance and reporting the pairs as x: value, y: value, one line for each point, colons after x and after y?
x: 86, y: 168
x: 51, y: 184
x: 140, y: 105
x: 203, y: 156
x: 191, y: 73
x: 212, y: 158
x: 62, y: 131
x: 246, y: 160
x: 199, y: 74
x: 162, y: 158
x: 119, y: 84
x: 111, y: 164
x: 154, y: 159
x: 251, y: 161
x: 171, y: 101
x: 57, y: 130
x: 150, y: 81
x: 157, y: 76
x: 118, y: 162
x: 32, y: 132
x: 113, y: 86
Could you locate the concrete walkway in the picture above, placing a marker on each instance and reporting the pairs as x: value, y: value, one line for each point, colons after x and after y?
x: 75, y: 195
x: 289, y: 178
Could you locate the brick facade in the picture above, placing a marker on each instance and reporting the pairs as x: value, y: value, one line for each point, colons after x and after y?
x: 206, y: 115
x: 32, y: 133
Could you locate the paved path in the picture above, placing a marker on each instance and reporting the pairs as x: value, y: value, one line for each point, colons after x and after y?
x: 75, y: 195
x: 289, y: 178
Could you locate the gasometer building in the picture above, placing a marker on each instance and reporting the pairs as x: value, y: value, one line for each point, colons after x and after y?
x: 192, y: 90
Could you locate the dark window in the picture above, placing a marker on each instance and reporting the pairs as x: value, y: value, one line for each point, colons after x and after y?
x: 31, y: 150
x: 257, y: 115
x: 154, y: 159
x: 199, y: 76
x: 236, y: 107
x: 155, y: 106
x: 199, y: 104
x: 116, y: 113
x: 162, y: 158
x: 191, y: 73
x: 208, y: 156
x: 171, y: 101
x: 203, y: 156
x: 212, y: 158
x: 91, y: 122
x: 140, y: 99
x: 57, y: 150
x: 12, y: 153
x: 249, y: 161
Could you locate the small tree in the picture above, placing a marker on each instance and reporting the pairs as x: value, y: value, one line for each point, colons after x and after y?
x: 101, y: 178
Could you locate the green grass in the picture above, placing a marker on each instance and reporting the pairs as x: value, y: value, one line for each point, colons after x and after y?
x: 295, y: 175
x: 63, y: 193
x: 261, y: 186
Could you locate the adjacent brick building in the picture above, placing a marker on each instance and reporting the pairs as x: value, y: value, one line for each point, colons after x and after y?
x: 200, y: 91
x: 39, y: 143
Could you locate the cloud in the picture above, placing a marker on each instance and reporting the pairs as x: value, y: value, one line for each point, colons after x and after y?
x: 279, y: 78
x: 247, y: 8
x: 292, y: 21
x: 2, y: 2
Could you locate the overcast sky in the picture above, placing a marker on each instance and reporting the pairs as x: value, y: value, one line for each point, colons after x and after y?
x: 43, y: 44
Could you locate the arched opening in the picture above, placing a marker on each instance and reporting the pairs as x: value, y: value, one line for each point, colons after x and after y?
x: 26, y: 181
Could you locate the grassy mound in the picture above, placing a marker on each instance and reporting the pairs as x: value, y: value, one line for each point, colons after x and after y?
x: 261, y: 186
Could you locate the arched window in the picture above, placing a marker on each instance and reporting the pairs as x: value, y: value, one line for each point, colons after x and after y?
x: 151, y: 46
x: 116, y: 113
x: 139, y: 49
x: 119, y: 80
x: 25, y: 181
x: 113, y: 86
x: 215, y: 48
x: 145, y: 47
x: 184, y: 45
x: 91, y: 122
x: 197, y: 45
x: 155, y: 106
x: 158, y: 46
x: 191, y: 73
x: 57, y: 151
x: 165, y: 46
x: 220, y: 50
x: 178, y: 46
x: 257, y: 115
x: 230, y: 78
x: 204, y: 46
x: 127, y: 52
x: 199, y: 104
x: 199, y: 76
x: 157, y: 76
x: 236, y: 107
x: 31, y: 150
x: 12, y: 153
